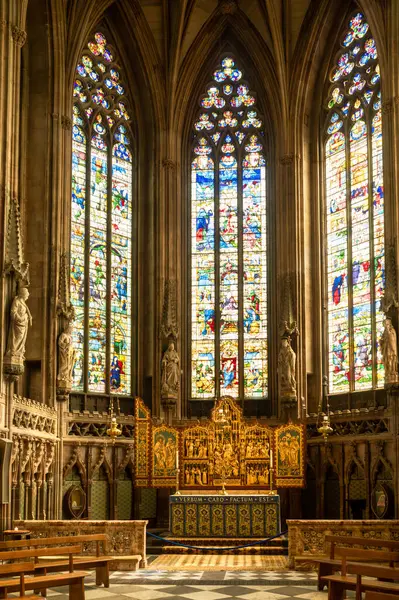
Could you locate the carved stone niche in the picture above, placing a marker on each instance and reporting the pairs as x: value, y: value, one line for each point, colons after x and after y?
x: 75, y: 502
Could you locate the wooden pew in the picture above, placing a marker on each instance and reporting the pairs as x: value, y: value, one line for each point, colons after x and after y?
x: 331, y: 564
x: 75, y: 585
x: 75, y: 581
x: 18, y: 569
x: 338, y: 584
x: 100, y: 562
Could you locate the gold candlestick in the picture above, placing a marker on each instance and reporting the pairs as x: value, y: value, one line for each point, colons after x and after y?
x: 271, y: 481
x: 177, y: 492
x: 271, y: 473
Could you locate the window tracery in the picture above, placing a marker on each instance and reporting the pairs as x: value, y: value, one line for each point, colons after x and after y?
x: 101, y: 224
x: 228, y: 242
x: 355, y: 213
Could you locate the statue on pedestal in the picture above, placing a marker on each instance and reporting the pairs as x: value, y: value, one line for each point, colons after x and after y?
x: 66, y: 358
x: 286, y: 368
x: 21, y: 319
x: 389, y: 352
x: 170, y: 372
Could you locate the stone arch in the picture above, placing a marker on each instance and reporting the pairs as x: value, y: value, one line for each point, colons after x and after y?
x: 75, y: 460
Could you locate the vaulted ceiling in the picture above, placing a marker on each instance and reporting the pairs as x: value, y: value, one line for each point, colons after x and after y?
x: 272, y: 19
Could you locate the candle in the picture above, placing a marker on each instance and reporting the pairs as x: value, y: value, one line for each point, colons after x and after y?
x: 177, y: 459
x: 271, y: 459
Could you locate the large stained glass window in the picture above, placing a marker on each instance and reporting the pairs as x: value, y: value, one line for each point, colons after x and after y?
x: 228, y: 242
x: 355, y: 213
x: 101, y: 224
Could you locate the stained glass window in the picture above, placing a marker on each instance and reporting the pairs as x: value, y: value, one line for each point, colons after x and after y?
x: 228, y: 242
x: 101, y: 224
x: 355, y: 213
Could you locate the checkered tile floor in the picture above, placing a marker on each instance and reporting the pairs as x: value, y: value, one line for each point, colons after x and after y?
x: 193, y: 592
x: 148, y: 584
x: 215, y: 577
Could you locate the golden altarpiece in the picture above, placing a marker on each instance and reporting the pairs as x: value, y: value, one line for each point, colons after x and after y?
x: 224, y: 470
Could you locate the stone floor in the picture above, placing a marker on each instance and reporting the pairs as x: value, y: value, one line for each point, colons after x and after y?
x: 150, y: 584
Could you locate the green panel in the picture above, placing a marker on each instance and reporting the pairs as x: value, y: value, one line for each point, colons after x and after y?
x: 125, y: 498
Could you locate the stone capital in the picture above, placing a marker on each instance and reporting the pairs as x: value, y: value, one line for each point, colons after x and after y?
x: 66, y: 123
x: 228, y: 7
x: 169, y: 164
x: 18, y: 35
x: 387, y: 107
x: 288, y: 159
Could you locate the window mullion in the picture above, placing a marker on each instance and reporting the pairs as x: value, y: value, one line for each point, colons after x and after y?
x: 109, y: 267
x: 217, y: 276
x: 87, y: 264
x: 349, y: 261
x: 240, y: 246
x: 371, y: 238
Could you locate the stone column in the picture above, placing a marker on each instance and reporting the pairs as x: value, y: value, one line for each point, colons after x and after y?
x: 290, y: 268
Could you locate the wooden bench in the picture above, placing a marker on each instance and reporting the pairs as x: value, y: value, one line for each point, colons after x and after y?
x: 99, y: 562
x: 338, y: 584
x: 18, y: 569
x: 35, y: 554
x: 75, y: 581
x: 327, y: 565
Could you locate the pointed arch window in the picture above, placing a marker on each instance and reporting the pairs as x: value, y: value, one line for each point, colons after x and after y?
x: 101, y: 224
x: 229, y: 353
x: 354, y: 213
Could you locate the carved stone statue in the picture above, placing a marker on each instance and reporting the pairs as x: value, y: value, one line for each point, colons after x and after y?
x: 66, y: 358
x: 286, y: 368
x: 389, y: 352
x: 170, y: 372
x: 21, y: 318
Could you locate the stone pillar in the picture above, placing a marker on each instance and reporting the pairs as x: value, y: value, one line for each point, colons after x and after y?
x: 289, y: 268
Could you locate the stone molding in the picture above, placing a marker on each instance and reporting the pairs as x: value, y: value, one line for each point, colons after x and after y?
x: 35, y: 406
x: 18, y: 35
x: 34, y: 416
x: 84, y: 429
x: 361, y: 427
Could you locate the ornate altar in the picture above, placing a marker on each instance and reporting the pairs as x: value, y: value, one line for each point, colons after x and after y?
x: 225, y: 451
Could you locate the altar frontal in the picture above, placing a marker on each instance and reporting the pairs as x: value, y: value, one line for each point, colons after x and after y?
x: 225, y: 452
x: 227, y: 516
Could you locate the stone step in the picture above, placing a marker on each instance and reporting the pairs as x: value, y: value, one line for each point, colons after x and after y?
x: 280, y: 541
x: 275, y: 551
